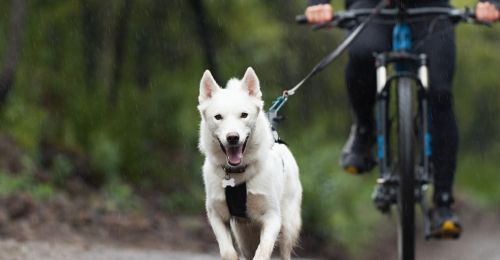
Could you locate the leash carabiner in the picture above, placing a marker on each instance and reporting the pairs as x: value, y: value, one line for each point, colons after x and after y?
x: 279, y: 102
x: 272, y: 113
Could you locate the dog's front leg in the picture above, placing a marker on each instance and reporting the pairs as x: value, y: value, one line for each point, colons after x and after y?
x: 271, y: 224
x: 223, y: 236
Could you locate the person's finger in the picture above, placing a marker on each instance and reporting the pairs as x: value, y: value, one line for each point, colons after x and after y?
x: 317, y: 14
x: 328, y: 12
x: 323, y: 15
x: 491, y: 13
x: 311, y: 13
x: 495, y: 14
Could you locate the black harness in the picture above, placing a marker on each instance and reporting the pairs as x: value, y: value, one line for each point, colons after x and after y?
x: 236, y: 197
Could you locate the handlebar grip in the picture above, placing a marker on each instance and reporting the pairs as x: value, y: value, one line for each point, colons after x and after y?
x: 301, y: 19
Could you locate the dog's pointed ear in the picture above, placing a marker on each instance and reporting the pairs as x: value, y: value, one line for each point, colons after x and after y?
x: 250, y: 83
x: 208, y: 86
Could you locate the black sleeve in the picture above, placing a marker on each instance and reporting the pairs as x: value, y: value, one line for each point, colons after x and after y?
x: 317, y: 2
x: 495, y: 2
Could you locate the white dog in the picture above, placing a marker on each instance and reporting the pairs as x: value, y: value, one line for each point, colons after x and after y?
x: 240, y: 152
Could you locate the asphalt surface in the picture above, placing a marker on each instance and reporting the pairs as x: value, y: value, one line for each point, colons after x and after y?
x: 480, y: 240
x: 35, y: 250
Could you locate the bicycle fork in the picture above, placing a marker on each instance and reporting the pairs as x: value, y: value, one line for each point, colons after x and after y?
x: 422, y: 172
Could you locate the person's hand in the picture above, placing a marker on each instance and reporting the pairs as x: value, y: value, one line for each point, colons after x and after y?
x: 319, y: 13
x: 487, y: 12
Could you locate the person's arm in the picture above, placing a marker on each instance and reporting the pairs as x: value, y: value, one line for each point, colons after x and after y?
x: 317, y: 2
x: 487, y: 11
x: 319, y: 11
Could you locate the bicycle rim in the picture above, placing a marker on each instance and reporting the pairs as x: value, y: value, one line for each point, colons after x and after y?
x: 406, y: 198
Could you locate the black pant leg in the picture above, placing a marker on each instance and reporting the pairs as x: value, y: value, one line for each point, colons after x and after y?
x: 440, y: 49
x: 360, y: 77
x: 360, y: 72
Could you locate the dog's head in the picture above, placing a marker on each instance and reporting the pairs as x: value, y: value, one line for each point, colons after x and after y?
x: 230, y: 113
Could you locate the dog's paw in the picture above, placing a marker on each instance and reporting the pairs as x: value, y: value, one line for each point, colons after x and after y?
x: 262, y: 254
x: 231, y: 255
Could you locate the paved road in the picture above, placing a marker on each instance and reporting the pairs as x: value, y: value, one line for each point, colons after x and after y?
x: 10, y: 250
x: 484, y: 245
x: 481, y: 240
x: 14, y: 250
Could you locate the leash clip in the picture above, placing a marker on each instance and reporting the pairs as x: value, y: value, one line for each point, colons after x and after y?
x: 279, y: 102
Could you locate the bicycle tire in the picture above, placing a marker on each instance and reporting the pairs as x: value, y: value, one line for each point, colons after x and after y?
x: 406, y: 156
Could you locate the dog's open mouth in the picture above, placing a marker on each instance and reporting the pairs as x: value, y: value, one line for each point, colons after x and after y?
x: 234, y: 153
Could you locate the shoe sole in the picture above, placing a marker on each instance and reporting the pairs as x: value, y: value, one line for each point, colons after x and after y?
x: 352, y: 170
x: 448, y: 230
x: 358, y: 170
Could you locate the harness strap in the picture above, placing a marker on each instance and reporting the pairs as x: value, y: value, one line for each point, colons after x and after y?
x: 236, y: 200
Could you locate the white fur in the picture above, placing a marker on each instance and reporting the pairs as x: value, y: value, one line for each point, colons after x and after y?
x: 272, y: 176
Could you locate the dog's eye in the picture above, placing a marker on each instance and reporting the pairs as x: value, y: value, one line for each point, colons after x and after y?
x: 244, y: 115
x: 218, y: 117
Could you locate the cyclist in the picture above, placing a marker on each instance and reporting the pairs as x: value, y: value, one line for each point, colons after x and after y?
x: 360, y: 79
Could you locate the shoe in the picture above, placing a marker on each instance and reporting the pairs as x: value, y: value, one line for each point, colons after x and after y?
x: 444, y: 221
x: 357, y: 155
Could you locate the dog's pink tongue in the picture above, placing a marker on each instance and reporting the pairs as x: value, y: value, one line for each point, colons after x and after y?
x: 234, y: 155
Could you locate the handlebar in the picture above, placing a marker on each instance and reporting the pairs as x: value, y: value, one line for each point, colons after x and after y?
x: 350, y: 18
x: 301, y: 19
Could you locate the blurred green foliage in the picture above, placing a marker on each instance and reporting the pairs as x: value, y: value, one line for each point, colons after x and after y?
x: 15, y: 184
x: 147, y: 139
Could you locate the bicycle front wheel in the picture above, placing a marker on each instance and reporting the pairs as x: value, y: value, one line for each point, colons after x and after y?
x: 406, y: 198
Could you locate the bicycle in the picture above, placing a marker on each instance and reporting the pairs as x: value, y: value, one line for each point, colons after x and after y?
x: 407, y: 176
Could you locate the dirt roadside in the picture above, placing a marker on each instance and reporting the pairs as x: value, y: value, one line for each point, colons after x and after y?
x: 480, y: 241
x: 64, y: 229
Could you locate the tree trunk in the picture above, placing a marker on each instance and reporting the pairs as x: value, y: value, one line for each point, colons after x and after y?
x: 91, y: 42
x: 205, y: 31
x: 14, y: 46
x: 120, y: 46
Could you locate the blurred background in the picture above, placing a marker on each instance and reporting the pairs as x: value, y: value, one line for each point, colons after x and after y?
x: 98, y: 121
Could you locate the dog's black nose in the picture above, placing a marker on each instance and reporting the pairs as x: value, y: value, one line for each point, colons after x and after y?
x: 233, y: 138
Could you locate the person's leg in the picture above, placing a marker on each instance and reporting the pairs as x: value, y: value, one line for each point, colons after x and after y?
x: 440, y: 50
x: 360, y: 72
x: 360, y: 79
